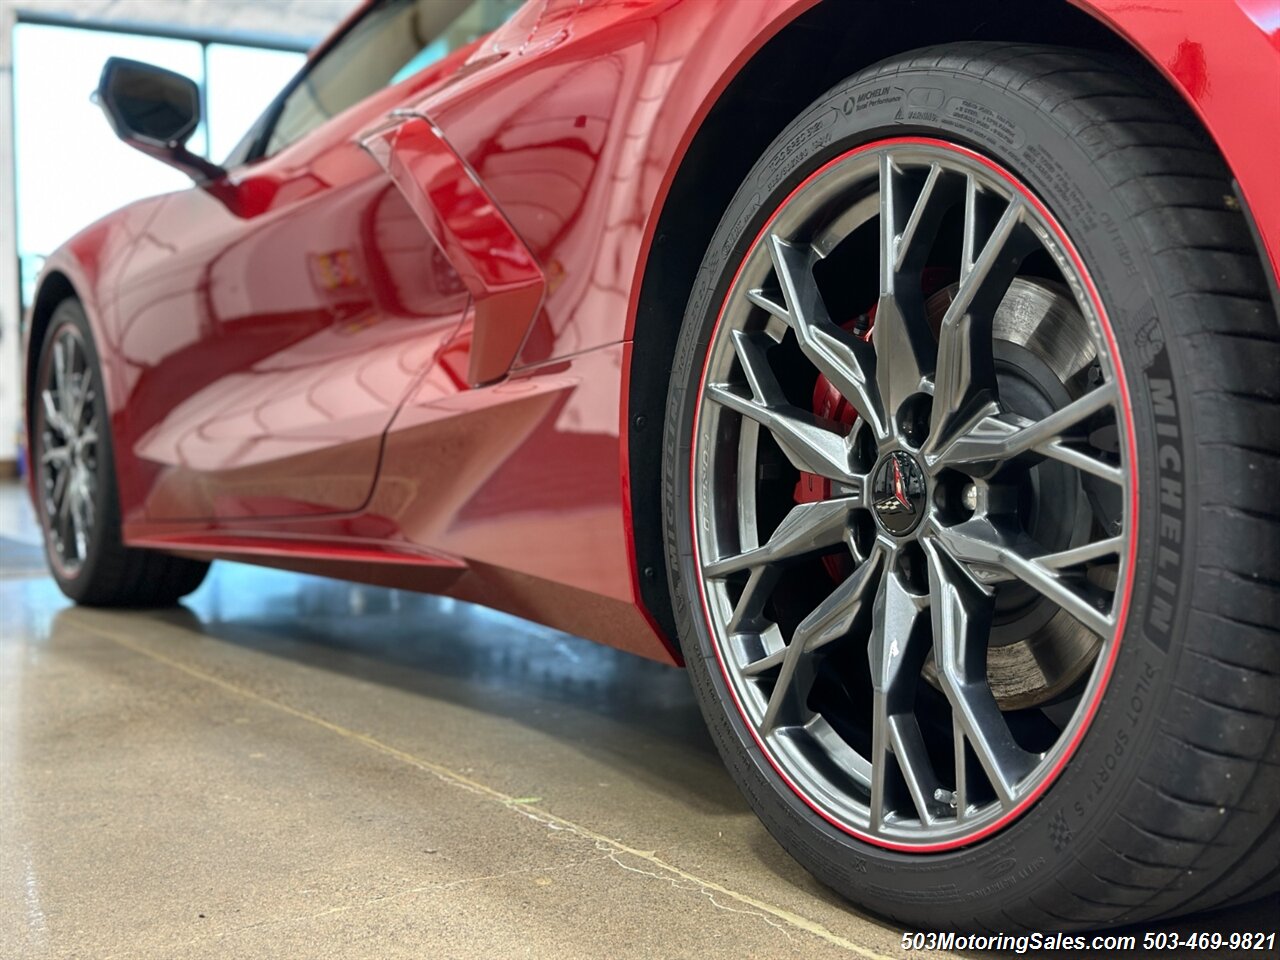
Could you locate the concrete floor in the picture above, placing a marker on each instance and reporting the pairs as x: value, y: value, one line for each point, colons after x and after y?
x: 294, y: 767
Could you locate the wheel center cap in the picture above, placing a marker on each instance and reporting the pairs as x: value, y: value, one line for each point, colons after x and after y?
x: 898, y: 493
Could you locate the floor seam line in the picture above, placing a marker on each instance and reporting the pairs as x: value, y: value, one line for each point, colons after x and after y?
x: 448, y: 775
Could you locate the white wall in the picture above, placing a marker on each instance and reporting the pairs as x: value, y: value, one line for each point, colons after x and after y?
x: 305, y: 19
x: 10, y: 337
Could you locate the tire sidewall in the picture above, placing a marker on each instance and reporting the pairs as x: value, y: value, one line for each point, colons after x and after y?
x: 1031, y: 854
x: 77, y: 585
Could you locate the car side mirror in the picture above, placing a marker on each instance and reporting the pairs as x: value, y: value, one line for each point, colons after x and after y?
x: 155, y: 111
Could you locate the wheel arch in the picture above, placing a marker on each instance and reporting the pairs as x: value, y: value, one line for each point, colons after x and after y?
x: 818, y: 48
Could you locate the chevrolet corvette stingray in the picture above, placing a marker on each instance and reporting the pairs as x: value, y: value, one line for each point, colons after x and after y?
x: 907, y: 370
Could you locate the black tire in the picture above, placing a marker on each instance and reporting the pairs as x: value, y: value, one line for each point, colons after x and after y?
x: 1170, y: 803
x: 110, y: 574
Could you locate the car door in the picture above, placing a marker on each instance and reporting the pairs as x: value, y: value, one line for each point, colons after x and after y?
x: 273, y: 321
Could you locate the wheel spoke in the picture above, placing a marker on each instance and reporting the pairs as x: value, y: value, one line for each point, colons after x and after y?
x: 993, y: 439
x: 905, y: 241
x: 850, y: 763
x: 80, y: 401
x: 965, y: 381
x: 830, y: 620
x: 896, y: 651
x: 62, y: 517
x: 86, y: 504
x: 904, y: 346
x: 58, y: 455
x: 58, y: 495
x: 806, y: 440
x: 806, y: 528
x: 53, y: 415
x: 961, y: 615
x: 1112, y: 546
x: 60, y: 372
x: 766, y: 663
x: 1073, y: 457
x: 748, y: 612
x: 75, y: 497
x: 995, y: 555
x: 847, y: 362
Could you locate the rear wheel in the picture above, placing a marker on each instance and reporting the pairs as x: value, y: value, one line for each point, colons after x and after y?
x: 75, y: 481
x: 951, y: 372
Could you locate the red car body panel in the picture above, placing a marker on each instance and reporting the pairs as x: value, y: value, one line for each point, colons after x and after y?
x: 399, y: 350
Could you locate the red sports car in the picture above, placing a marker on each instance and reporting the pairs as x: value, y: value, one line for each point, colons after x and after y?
x: 910, y: 371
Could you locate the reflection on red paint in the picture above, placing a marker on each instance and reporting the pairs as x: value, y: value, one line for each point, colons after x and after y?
x: 1190, y: 69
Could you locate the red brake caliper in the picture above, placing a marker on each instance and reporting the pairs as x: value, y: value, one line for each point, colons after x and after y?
x: 829, y: 404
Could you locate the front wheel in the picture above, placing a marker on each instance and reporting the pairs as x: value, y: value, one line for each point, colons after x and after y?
x: 969, y: 443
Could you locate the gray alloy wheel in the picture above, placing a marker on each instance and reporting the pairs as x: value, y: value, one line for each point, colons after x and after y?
x: 918, y: 643
x: 67, y: 471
